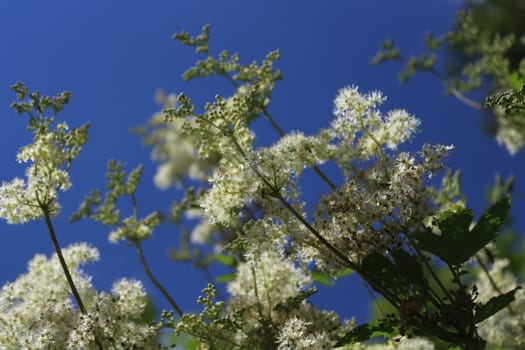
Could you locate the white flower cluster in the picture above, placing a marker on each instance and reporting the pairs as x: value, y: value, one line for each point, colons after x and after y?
x: 37, y: 312
x: 505, y: 328
x: 361, y: 129
x: 50, y: 156
x: 264, y: 284
x: 373, y: 211
x: 175, y: 151
x: 510, y: 135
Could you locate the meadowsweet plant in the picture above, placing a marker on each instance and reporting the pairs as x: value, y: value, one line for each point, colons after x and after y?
x: 381, y: 215
x: 37, y: 310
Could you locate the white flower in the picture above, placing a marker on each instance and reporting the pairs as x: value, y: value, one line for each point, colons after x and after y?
x: 361, y: 131
x: 37, y: 312
x: 229, y: 192
x: 510, y: 135
x: 294, y: 335
x: 50, y: 155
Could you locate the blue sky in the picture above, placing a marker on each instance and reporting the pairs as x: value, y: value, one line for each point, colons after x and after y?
x: 114, y: 55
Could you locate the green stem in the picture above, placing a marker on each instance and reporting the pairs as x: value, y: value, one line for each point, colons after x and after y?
x: 69, y: 278
x: 58, y: 251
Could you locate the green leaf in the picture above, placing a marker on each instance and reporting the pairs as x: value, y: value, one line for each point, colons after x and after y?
x: 368, y: 331
x: 455, y: 221
x: 384, y: 272
x: 226, y: 260
x: 327, y: 280
x: 344, y: 273
x: 515, y: 80
x: 409, y: 268
x: 226, y: 278
x: 322, y: 278
x: 455, y: 234
x: 494, y: 305
x: 490, y: 222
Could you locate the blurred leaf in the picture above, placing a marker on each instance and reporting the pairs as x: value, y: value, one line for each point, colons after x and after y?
x: 226, y: 260
x: 226, y: 278
x: 344, y: 273
x: 322, y: 278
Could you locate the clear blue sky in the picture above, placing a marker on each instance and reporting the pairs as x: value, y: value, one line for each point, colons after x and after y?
x: 113, y: 55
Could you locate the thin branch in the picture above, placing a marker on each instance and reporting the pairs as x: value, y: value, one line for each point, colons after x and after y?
x: 58, y: 251
x: 146, y: 267
x: 153, y: 280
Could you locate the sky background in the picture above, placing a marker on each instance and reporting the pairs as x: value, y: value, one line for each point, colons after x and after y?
x: 114, y: 55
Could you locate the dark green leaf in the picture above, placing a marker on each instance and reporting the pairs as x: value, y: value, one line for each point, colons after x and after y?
x: 368, y: 331
x: 409, y: 268
x: 384, y: 272
x: 457, y: 244
x: 494, y: 305
x: 455, y: 221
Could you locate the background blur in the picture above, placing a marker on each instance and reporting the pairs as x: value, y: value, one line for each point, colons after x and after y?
x: 114, y: 55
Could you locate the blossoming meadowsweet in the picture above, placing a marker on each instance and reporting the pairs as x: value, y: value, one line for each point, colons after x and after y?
x: 37, y: 312
x: 264, y: 290
x: 174, y: 150
x: 361, y: 131
x: 510, y: 134
x: 50, y: 156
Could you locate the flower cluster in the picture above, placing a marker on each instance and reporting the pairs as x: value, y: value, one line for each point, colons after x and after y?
x: 49, y: 157
x: 37, y: 312
x: 174, y: 150
x: 267, y: 305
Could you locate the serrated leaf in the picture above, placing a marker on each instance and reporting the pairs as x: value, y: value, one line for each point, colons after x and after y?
x: 494, y: 305
x: 457, y: 244
x: 226, y: 278
x: 409, y: 268
x: 368, y: 331
x: 490, y: 222
x: 226, y: 260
